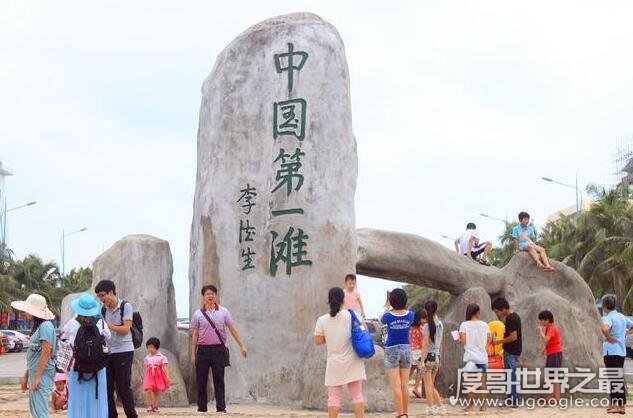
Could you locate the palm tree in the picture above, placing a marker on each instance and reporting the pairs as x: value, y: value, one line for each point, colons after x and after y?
x: 598, y: 243
x: 500, y: 256
x: 32, y: 275
x: 608, y: 239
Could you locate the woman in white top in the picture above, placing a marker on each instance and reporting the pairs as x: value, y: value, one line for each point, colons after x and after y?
x: 474, y: 335
x: 343, y: 367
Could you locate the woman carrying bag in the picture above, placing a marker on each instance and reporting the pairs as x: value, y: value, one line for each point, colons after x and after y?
x: 344, y: 367
x: 40, y: 373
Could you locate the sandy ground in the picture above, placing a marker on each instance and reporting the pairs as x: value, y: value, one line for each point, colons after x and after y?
x: 13, y: 403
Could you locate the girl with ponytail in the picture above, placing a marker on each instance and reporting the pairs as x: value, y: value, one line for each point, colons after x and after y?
x: 335, y: 299
x: 431, y: 345
x: 343, y: 367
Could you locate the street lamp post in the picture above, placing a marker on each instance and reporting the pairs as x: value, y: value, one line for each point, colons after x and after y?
x: 62, y: 245
x: 578, y: 203
x: 4, y: 219
x: 575, y: 187
x: 505, y: 221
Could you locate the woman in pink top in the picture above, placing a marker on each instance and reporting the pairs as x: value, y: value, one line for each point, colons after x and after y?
x: 352, y: 297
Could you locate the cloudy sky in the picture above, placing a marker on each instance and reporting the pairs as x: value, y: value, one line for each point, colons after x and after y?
x: 459, y: 108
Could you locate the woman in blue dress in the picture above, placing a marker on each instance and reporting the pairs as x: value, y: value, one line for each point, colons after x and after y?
x: 87, y: 397
x: 40, y: 367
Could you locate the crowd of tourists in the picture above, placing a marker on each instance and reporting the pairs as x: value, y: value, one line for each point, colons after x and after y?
x: 414, y: 346
x: 93, y: 358
x: 80, y: 369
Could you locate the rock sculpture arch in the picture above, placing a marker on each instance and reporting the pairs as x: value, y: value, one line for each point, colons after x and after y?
x: 416, y: 260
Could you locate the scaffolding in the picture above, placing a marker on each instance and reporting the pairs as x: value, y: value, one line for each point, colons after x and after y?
x: 622, y: 164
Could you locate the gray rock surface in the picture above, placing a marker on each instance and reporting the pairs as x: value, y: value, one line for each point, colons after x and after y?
x: 186, y: 367
x: 141, y: 268
x: 376, y: 389
x: 67, y: 312
x: 452, y: 351
x: 175, y: 396
x: 416, y: 260
x: 240, y: 144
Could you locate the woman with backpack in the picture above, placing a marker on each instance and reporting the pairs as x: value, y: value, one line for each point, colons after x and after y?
x: 38, y: 378
x: 87, y: 381
x: 343, y: 367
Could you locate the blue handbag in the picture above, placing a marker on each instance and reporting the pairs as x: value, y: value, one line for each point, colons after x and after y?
x: 362, y: 342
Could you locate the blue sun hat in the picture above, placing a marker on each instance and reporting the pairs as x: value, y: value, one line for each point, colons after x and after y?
x: 85, y: 305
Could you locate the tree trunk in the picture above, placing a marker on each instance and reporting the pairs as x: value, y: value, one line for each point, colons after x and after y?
x: 619, y: 288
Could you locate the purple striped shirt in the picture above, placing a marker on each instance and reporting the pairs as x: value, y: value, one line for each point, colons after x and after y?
x: 222, y: 319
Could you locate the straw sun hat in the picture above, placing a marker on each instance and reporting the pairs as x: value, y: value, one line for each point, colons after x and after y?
x: 34, y: 305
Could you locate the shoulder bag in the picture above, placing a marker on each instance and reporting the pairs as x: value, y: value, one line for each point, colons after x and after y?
x: 227, y: 354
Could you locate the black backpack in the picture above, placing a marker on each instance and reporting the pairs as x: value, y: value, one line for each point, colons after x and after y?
x: 89, y: 357
x: 137, y: 325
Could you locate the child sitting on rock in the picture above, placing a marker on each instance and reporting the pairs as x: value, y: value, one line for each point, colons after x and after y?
x: 524, y: 236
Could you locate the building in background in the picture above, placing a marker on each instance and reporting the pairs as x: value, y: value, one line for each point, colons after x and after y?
x: 4, y: 172
x: 628, y: 169
x: 586, y: 205
x: 622, y: 160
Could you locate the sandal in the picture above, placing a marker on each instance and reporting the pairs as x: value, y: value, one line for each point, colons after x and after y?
x: 484, y: 262
x: 417, y: 393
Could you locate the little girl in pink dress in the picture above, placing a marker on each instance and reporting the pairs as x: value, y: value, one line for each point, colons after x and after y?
x: 156, y: 379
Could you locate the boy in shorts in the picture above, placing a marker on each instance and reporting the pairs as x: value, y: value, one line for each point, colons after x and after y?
x: 553, y: 347
x: 524, y: 236
x: 468, y: 244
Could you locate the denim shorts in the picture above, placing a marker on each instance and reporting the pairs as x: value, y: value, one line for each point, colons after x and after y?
x: 398, y: 356
x: 432, y: 366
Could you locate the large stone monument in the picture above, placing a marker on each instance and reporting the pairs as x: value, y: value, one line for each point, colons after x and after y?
x: 273, y: 222
x: 141, y: 267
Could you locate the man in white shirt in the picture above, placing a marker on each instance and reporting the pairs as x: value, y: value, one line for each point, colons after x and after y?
x: 468, y: 244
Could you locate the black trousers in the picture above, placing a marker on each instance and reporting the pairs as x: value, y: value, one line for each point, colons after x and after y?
x: 210, y: 356
x: 616, y: 386
x: 119, y: 372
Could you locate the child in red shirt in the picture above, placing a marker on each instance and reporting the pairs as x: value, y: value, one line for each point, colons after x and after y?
x: 553, y: 347
x: 415, y: 338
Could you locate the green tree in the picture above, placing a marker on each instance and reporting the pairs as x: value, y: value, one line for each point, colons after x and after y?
x: 500, y: 256
x: 418, y: 295
x: 78, y: 280
x: 19, y: 278
x: 598, y: 243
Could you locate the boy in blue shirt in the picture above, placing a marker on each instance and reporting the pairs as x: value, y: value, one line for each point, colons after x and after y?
x: 524, y: 236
